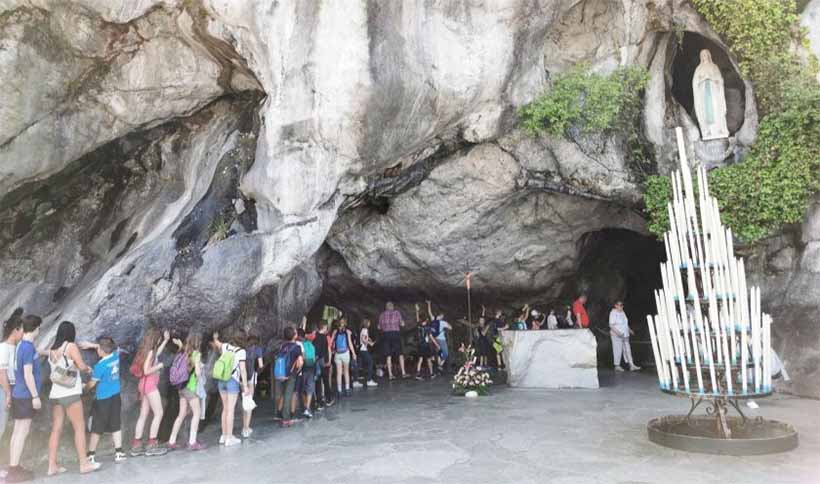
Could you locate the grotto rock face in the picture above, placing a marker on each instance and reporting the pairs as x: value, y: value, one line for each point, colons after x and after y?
x: 206, y: 163
x: 788, y: 270
x: 480, y: 210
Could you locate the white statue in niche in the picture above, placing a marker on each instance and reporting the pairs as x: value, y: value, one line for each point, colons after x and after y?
x: 710, y: 102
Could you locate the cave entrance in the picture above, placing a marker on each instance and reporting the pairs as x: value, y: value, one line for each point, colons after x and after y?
x: 618, y: 264
x: 686, y: 60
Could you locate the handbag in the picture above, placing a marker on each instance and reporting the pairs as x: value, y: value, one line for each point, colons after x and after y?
x: 64, y: 376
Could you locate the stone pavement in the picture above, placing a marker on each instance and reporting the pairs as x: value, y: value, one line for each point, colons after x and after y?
x: 415, y: 432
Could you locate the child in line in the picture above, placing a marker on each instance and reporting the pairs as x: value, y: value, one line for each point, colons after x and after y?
x: 188, y: 393
x: 12, y: 334
x: 440, y: 328
x: 229, y: 389
x: 496, y: 326
x: 290, y: 357
x: 147, y: 368
x: 365, y: 343
x: 324, y: 360
x: 25, y: 397
x: 428, y: 346
x: 107, y: 406
x: 308, y: 371
x: 253, y: 363
x: 344, y: 351
x: 520, y: 323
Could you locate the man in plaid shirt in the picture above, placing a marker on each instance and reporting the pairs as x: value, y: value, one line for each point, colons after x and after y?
x: 390, y: 323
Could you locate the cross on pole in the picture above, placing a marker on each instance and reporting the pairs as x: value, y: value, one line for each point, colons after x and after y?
x: 467, y: 276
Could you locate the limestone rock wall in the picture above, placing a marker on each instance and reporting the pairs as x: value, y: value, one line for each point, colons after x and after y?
x: 788, y: 269
x: 186, y: 161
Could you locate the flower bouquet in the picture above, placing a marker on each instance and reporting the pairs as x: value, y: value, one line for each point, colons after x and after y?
x: 471, y: 377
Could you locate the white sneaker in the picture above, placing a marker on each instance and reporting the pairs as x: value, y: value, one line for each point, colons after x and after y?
x: 221, y: 440
x: 634, y: 368
x: 371, y: 383
x: 232, y: 441
x: 92, y: 459
x: 618, y: 368
x: 247, y: 433
x: 357, y: 385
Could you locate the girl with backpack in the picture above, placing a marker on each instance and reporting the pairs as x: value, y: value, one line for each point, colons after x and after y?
x: 286, y: 367
x: 185, y: 374
x: 342, y: 341
x: 428, y: 346
x: 147, y: 369
x: 66, y: 397
x: 231, y: 375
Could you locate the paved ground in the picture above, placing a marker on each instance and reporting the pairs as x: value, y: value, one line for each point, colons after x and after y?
x: 415, y: 432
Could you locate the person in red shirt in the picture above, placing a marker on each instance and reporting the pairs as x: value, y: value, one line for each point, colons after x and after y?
x: 580, y: 312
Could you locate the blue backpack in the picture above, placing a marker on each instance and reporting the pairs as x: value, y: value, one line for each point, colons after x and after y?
x: 341, y: 342
x: 435, y: 326
x: 281, y: 367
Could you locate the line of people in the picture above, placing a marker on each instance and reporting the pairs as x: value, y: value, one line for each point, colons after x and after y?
x: 309, y: 371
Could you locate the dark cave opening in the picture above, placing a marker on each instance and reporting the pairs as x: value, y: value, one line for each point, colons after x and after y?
x: 618, y: 264
x: 686, y: 60
x: 613, y: 264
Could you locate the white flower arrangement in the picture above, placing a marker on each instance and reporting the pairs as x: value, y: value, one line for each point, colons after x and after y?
x: 470, y: 377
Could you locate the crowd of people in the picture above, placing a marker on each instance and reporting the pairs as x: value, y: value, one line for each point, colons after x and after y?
x: 309, y: 371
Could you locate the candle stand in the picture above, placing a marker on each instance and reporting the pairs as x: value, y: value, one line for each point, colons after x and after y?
x: 710, y: 339
x: 717, y: 431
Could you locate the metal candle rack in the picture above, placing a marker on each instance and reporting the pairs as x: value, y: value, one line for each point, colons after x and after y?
x: 710, y: 339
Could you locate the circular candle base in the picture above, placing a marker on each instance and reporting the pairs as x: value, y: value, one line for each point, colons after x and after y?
x: 701, y: 434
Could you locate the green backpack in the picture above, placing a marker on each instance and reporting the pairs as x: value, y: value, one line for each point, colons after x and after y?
x: 223, y: 368
x: 310, y: 353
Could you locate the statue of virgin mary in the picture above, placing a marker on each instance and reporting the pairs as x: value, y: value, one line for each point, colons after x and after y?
x: 710, y: 102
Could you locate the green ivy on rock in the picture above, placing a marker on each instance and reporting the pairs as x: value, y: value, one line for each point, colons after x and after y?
x: 587, y: 101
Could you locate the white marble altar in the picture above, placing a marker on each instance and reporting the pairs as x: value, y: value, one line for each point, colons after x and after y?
x: 562, y: 358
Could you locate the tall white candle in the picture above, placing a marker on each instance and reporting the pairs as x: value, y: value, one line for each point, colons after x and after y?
x: 695, y: 349
x: 756, y: 341
x: 734, y: 311
x: 767, y: 352
x: 659, y: 364
x: 744, y: 354
x: 664, y: 340
x: 715, y: 389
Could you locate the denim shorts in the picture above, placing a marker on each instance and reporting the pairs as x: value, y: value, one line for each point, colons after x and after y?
x: 444, y: 351
x: 230, y: 386
x: 309, y: 383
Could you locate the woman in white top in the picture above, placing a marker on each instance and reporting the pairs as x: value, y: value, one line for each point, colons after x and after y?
x: 12, y: 334
x: 619, y: 332
x: 66, y: 392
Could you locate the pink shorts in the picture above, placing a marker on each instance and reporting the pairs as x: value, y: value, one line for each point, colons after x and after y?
x: 148, y: 384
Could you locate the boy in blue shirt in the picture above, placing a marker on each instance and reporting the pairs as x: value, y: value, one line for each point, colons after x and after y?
x: 106, y: 411
x: 25, y: 397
